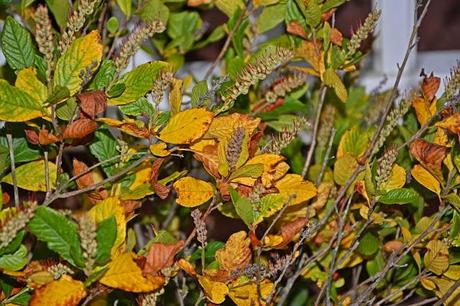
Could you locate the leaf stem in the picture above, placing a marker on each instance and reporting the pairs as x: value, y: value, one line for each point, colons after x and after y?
x: 9, y: 138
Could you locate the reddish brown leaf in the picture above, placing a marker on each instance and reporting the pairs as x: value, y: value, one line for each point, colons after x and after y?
x: 93, y: 102
x: 130, y: 206
x: 327, y: 15
x: 161, y: 190
x: 291, y: 229
x: 87, y: 180
x: 336, y: 36
x: 295, y: 28
x: 79, y: 128
x: 430, y: 86
x: 5, y: 198
x: 46, y: 138
x: 31, y: 136
x: 161, y: 256
x: 429, y: 155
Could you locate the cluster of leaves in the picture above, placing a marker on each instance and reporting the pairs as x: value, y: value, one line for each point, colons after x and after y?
x: 109, y: 198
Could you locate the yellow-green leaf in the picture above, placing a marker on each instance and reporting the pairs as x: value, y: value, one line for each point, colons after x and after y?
x: 124, y: 274
x: 292, y: 185
x: 105, y: 209
x: 437, y: 257
x: 229, y: 6
x: 28, y: 82
x: 16, y: 105
x: 83, y: 53
x: 331, y: 79
x: 175, y: 96
x: 192, y: 192
x: 396, y: 180
x: 343, y: 168
x: 138, y: 82
x: 31, y: 176
x: 426, y: 179
x: 187, y: 126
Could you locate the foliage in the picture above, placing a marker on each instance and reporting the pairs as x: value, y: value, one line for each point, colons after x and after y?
x: 110, y: 197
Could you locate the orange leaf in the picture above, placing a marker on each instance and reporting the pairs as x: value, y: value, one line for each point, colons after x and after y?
x: 79, y: 129
x: 215, y: 291
x: 295, y: 28
x: 161, y: 255
x: 430, y: 86
x: 236, y: 254
x: 429, y: 155
x: 65, y: 292
x: 93, y: 102
x: 422, y: 110
x: 451, y: 123
x: 336, y: 36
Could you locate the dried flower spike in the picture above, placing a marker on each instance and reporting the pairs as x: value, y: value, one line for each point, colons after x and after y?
x: 200, y: 225
x: 234, y: 147
x: 385, y: 165
x: 11, y: 227
x: 453, y: 82
x: 363, y: 31
x: 44, y: 37
x: 87, y: 233
x: 282, y: 140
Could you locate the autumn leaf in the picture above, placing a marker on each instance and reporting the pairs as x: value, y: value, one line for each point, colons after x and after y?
x: 124, y: 274
x: 161, y: 255
x: 223, y: 127
x: 32, y: 176
x: 396, y: 180
x: 128, y: 126
x: 159, y: 149
x: 175, y: 96
x: 62, y: 292
x: 430, y: 86
x: 246, y: 293
x: 79, y: 129
x: 215, y: 291
x: 88, y: 178
x: 28, y: 82
x: 187, y: 126
x: 452, y: 124
x: 192, y: 192
x: 426, y: 179
x: 93, y: 103
x: 436, y: 258
x: 422, y: 110
x: 429, y: 155
x: 293, y: 187
x: 332, y: 79
x: 236, y: 254
x: 295, y: 28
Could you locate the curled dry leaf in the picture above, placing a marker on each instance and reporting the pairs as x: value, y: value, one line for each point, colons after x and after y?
x: 429, y: 155
x: 430, y: 86
x: 236, y: 254
x: 62, y: 292
x: 93, y: 103
x: 452, y: 124
x: 124, y: 274
x: 161, y: 255
x: 79, y: 129
x: 87, y: 179
x: 295, y: 28
x: 43, y: 137
x: 192, y: 192
x: 161, y: 190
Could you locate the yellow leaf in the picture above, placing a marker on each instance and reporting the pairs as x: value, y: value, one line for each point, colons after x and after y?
x: 236, y: 254
x: 187, y: 126
x: 62, y: 292
x: 247, y: 295
x: 142, y: 175
x: 344, y: 168
x: 124, y: 274
x: 215, y: 291
x: 422, y: 110
x: 105, y: 209
x: 83, y: 53
x: 396, y: 180
x: 159, y: 149
x: 428, y: 283
x: 192, y: 192
x: 309, y: 52
x: 331, y: 79
x: 292, y: 185
x: 451, y: 123
x: 270, y: 162
x: 223, y: 127
x: 175, y: 96
x: 453, y: 272
x: 28, y: 82
x: 436, y: 258
x: 354, y: 142
x: 31, y: 176
x: 426, y: 179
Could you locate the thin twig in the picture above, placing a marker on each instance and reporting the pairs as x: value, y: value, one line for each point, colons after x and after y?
x: 311, y: 150
x: 9, y: 138
x: 47, y: 175
x: 326, y: 157
x: 448, y: 293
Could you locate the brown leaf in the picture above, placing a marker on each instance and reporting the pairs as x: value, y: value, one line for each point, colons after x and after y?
x: 429, y: 155
x: 161, y: 190
x: 236, y: 254
x: 93, y: 102
x: 130, y: 206
x: 336, y: 36
x: 31, y: 136
x: 84, y: 180
x: 79, y: 128
x: 295, y: 28
x: 430, y: 86
x: 161, y: 256
x: 5, y: 197
x: 327, y: 15
x: 393, y: 245
x: 46, y: 138
x: 290, y: 230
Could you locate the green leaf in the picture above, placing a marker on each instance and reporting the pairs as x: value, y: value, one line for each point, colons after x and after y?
x: 14, y: 245
x: 254, y: 171
x: 16, y: 261
x: 105, y: 147
x: 83, y: 54
x: 228, y: 7
x: 17, y: 45
x: 209, y: 251
x: 66, y: 111
x: 154, y: 10
x: 330, y: 4
x: 16, y: 105
x: 453, y: 199
x: 399, y: 196
x: 22, y: 150
x: 60, y: 10
x: 455, y: 229
x: 104, y: 75
x: 369, y: 244
x: 138, y: 82
x: 58, y: 95
x: 105, y: 237
x: 112, y: 24
x: 31, y: 176
x: 270, y: 17
x: 331, y: 79
x: 59, y: 233
x: 312, y: 13
x: 199, y: 93
x: 268, y: 206
x: 125, y: 6
x: 243, y: 207
x: 138, y: 108
x: 182, y: 28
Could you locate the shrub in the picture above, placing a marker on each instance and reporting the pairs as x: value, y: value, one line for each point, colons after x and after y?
x: 110, y: 197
